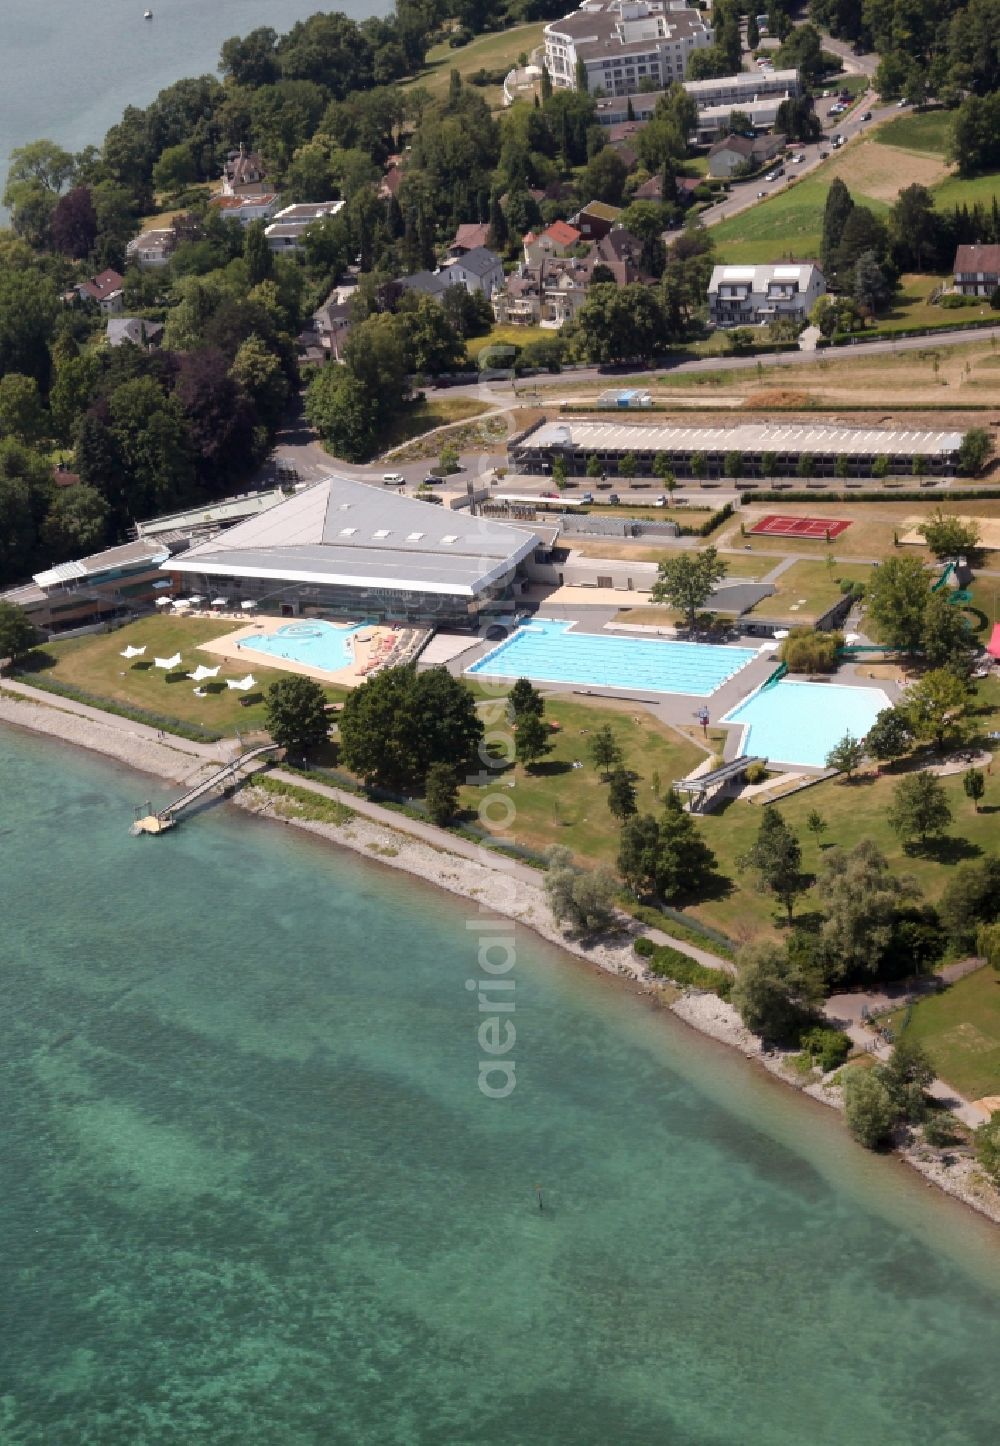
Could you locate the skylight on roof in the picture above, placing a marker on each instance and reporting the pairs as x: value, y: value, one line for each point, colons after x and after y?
x: 348, y: 531
x: 450, y: 537
x: 414, y: 536
x: 382, y: 532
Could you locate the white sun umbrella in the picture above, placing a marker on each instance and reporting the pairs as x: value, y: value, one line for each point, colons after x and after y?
x: 247, y: 604
x: 219, y: 602
x: 163, y: 602
x: 242, y: 684
x: 181, y: 602
x: 781, y: 633
x: 851, y: 637
x: 168, y: 663
x: 195, y: 598
x: 131, y: 652
x: 201, y: 673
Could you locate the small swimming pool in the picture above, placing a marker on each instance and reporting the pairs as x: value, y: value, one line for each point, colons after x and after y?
x: 551, y: 652
x: 312, y: 642
x: 801, y: 722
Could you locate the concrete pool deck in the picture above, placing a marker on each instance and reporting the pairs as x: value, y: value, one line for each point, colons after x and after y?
x: 366, y: 649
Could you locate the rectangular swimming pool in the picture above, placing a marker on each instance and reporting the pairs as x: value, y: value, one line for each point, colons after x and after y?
x: 551, y: 652
x: 801, y: 722
x: 311, y: 641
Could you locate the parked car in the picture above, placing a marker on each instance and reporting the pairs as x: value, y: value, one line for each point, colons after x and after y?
x: 772, y: 175
x: 661, y: 502
x: 797, y: 160
x: 587, y: 497
x: 393, y: 479
x: 432, y: 479
x: 844, y: 95
x: 902, y: 103
x: 867, y: 116
x: 761, y: 195
x: 548, y: 494
x: 614, y: 499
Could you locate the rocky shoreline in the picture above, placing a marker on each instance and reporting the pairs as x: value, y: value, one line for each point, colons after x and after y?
x: 481, y: 882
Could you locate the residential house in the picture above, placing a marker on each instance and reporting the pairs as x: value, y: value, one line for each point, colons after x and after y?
x: 547, y: 294
x: 753, y: 295
x: 620, y: 252
x: 331, y: 326
x: 977, y: 270
x: 652, y: 190
x: 134, y: 330
x: 595, y: 220
x: 477, y: 270
x: 284, y: 233
x: 392, y: 179
x: 556, y: 240
x: 151, y: 250
x: 622, y: 44
x: 727, y: 157
x: 470, y: 236
x: 258, y: 206
x: 244, y: 174
x: 105, y: 290
x: 63, y: 477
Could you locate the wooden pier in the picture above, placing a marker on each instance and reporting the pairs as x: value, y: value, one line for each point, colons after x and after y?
x: 224, y: 777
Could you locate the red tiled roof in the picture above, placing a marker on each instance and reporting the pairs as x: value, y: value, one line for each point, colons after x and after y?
x: 562, y: 233
x: 237, y: 203
x: 471, y: 234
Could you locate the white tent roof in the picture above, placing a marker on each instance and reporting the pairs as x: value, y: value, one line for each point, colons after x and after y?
x: 201, y: 673
x: 168, y: 663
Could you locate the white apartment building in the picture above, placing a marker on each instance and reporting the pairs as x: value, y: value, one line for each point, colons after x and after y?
x: 752, y: 295
x: 285, y: 231
x: 623, y: 43
x: 738, y: 91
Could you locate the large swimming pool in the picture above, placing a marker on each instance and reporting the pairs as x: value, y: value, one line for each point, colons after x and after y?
x: 801, y: 722
x: 551, y: 652
x: 312, y: 642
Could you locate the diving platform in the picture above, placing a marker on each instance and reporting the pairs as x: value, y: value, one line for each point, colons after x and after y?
x: 707, y: 789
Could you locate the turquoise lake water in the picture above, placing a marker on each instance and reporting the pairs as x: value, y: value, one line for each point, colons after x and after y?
x: 802, y: 722
x: 252, y: 1193
x: 554, y: 652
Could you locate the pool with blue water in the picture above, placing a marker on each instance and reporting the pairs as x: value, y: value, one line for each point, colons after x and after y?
x: 312, y: 642
x: 552, y: 652
x: 802, y: 722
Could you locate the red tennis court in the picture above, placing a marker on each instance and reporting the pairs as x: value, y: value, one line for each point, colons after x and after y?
x: 775, y: 525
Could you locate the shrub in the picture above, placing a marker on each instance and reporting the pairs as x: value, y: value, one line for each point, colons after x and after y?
x: 829, y: 1048
x: 807, y: 651
x: 939, y: 1130
x: 645, y: 948
x: 756, y: 773
x: 872, y: 1115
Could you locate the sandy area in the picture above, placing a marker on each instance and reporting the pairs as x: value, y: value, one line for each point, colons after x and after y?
x: 989, y: 531
x: 883, y: 171
x: 493, y: 892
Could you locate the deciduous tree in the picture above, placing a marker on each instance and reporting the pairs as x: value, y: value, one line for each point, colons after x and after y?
x: 776, y: 858
x: 295, y: 714
x: 688, y: 580
x: 919, y: 808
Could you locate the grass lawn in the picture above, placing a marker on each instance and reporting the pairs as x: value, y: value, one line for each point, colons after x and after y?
x: 93, y: 664
x: 519, y: 336
x: 960, y: 1030
x: 807, y: 589
x: 911, y: 307
x: 559, y: 804
x: 927, y: 132
x: 485, y: 52
x: 789, y: 224
x: 959, y: 191
x: 416, y: 418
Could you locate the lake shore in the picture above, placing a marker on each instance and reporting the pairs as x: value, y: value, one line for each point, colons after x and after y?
x: 490, y: 889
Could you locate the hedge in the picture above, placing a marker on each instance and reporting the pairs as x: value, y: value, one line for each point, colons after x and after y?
x: 192, y: 731
x: 977, y: 323
x: 954, y: 494
x: 712, y: 521
x: 667, y: 963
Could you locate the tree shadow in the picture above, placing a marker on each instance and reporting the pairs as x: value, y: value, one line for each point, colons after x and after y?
x: 550, y: 769
x: 35, y: 662
x: 950, y: 850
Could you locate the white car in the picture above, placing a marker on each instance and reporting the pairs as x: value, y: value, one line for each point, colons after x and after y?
x: 902, y: 104
x: 393, y: 479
